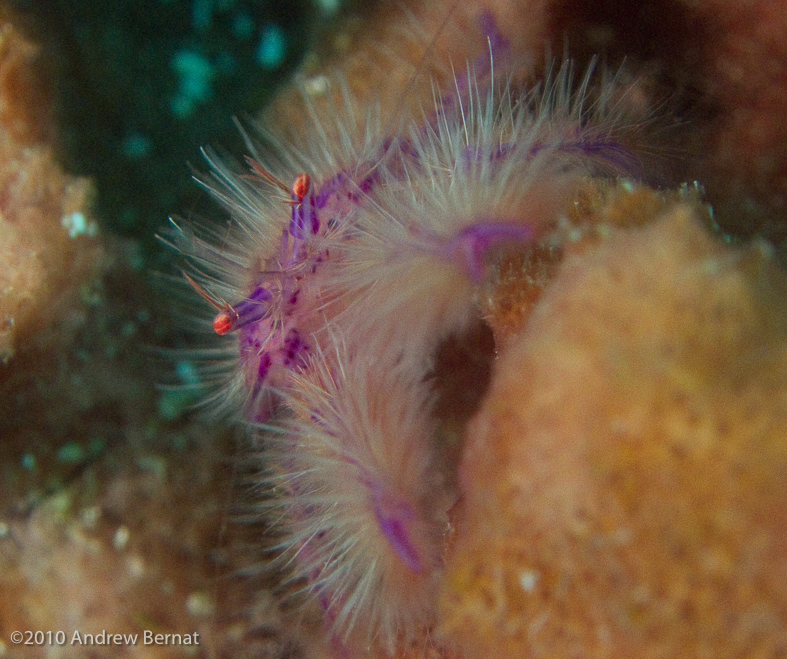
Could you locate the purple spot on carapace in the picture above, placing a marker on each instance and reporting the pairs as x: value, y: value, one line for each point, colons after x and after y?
x: 264, y: 367
x: 407, y: 149
x: 393, y: 525
x: 472, y: 244
x: 247, y: 341
x: 330, y: 188
x: 368, y: 183
x: 304, y: 218
x: 502, y: 151
x: 294, y: 349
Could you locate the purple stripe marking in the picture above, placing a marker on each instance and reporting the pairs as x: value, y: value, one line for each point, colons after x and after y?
x: 471, y: 245
x: 304, y: 218
x: 252, y: 309
x: 395, y: 531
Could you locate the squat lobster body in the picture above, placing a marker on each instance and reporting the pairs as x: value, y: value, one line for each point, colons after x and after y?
x: 375, y: 257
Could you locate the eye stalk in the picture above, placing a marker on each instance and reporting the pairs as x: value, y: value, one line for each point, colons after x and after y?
x: 230, y: 317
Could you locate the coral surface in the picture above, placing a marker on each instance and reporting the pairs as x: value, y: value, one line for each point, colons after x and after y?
x: 48, y: 244
x: 624, y: 482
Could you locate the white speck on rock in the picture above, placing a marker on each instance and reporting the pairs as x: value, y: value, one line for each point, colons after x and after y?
x: 200, y: 605
x: 528, y: 580
x: 120, y: 540
x: 76, y: 223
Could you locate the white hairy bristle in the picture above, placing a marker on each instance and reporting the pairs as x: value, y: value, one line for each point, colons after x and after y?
x: 361, y: 506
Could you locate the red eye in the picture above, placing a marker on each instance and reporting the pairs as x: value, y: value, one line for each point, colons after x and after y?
x: 223, y: 323
x: 301, y: 186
